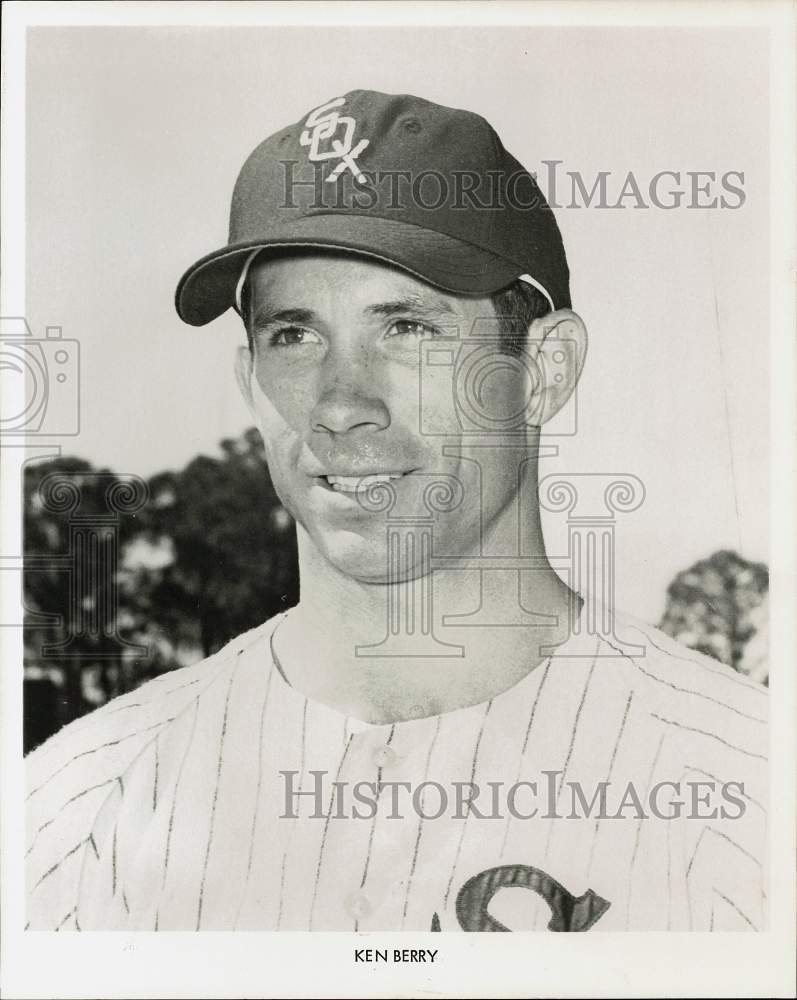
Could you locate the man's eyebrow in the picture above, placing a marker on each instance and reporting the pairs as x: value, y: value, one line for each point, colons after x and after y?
x: 266, y: 315
x: 436, y: 308
x: 415, y: 306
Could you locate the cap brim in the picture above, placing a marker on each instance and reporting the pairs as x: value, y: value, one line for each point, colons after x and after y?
x: 207, y: 289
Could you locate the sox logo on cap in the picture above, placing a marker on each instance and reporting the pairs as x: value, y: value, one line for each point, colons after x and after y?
x: 473, y: 252
x: 324, y: 126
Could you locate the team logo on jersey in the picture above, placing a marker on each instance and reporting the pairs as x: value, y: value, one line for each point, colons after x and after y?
x: 568, y: 912
x: 322, y: 126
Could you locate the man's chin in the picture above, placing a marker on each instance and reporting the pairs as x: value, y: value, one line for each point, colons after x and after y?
x: 367, y: 561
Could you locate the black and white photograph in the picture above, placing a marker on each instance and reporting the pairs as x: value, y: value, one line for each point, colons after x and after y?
x: 398, y: 457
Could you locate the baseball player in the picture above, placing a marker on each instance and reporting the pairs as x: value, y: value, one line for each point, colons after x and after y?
x: 422, y: 743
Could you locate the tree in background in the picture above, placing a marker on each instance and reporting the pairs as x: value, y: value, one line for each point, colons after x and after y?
x: 77, y: 652
x: 234, y: 554
x: 719, y: 606
x: 210, y: 555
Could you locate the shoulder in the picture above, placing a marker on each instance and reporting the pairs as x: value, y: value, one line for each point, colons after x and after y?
x: 72, y: 776
x: 708, y: 724
x: 130, y: 717
x: 700, y: 705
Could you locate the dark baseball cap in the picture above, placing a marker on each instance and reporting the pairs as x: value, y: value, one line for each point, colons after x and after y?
x: 426, y: 188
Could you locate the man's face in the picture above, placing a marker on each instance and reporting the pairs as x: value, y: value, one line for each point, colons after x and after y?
x: 337, y: 388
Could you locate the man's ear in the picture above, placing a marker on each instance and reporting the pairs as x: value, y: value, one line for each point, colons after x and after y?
x: 557, y: 344
x: 243, y: 375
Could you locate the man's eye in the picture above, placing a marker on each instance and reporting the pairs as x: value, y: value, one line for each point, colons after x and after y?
x: 413, y: 328
x: 293, y: 336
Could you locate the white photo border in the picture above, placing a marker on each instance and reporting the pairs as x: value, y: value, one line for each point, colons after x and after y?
x: 321, y: 964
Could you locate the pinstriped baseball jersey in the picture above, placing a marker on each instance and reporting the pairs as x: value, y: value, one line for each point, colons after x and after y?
x: 217, y: 797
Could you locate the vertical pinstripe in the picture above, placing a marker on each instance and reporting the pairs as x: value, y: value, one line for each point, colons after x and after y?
x: 416, y: 848
x: 174, y: 799
x: 219, y: 766
x: 669, y: 878
x: 373, y: 822
x: 293, y: 821
x: 155, y: 781
x: 640, y: 821
x: 569, y: 754
x: 526, y: 737
x: 258, y: 786
x: 467, y: 814
x: 609, y: 775
x: 324, y: 835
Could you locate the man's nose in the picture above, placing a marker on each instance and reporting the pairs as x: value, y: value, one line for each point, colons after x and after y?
x: 349, y: 399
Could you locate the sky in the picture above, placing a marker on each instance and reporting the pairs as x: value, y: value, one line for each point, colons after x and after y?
x: 135, y: 137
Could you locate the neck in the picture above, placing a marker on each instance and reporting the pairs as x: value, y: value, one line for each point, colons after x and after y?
x: 385, y: 651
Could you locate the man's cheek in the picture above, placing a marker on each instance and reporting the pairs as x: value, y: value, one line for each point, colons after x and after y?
x: 285, y: 486
x: 283, y: 402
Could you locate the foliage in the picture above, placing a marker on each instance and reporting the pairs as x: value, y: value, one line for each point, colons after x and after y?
x: 210, y: 554
x: 717, y: 606
x: 71, y: 618
x: 234, y: 558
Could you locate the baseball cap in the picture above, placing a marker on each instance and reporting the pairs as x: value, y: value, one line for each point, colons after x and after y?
x: 426, y: 188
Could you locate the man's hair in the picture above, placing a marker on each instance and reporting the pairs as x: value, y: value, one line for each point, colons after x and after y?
x: 516, y: 308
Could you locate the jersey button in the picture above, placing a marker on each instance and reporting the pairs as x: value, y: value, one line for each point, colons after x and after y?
x: 358, y: 905
x: 385, y: 756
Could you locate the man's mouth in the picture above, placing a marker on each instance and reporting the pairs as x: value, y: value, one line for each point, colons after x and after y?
x: 354, y: 484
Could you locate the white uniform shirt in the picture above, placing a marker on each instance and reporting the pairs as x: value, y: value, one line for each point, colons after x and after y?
x: 167, y: 808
